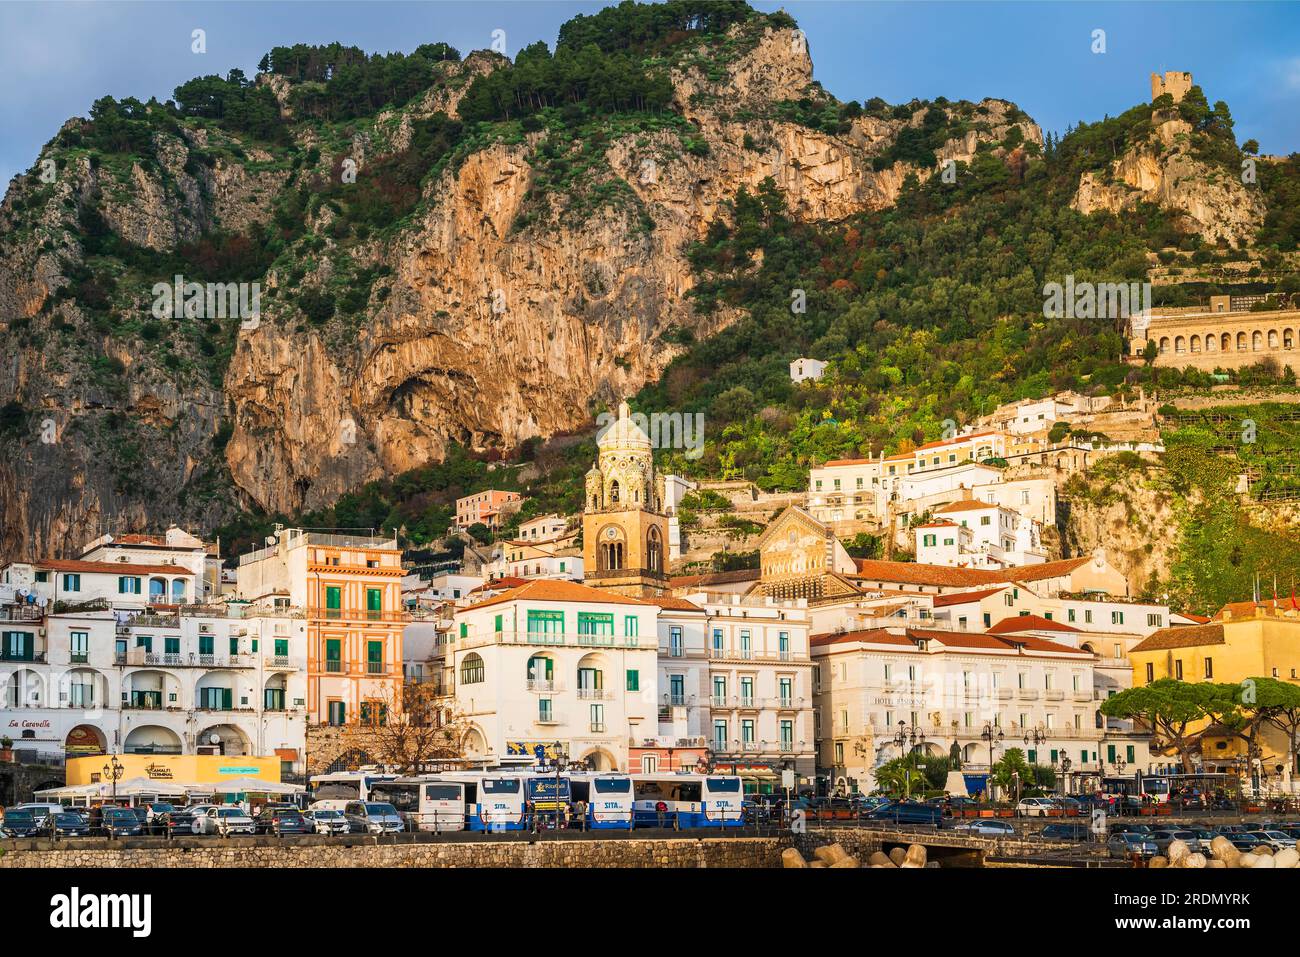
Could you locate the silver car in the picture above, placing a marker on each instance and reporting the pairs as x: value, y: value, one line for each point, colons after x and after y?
x: 1127, y: 843
x: 986, y: 828
x: 327, y: 821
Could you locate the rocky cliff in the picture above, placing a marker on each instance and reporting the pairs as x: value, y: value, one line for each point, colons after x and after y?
x: 506, y: 306
x: 1163, y: 169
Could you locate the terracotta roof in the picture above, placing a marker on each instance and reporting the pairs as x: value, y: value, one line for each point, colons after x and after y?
x: 837, y: 462
x: 1199, y: 619
x: 900, y: 455
x: 1034, y: 643
x: 965, y: 505
x: 1246, y: 609
x: 943, y: 524
x: 873, y: 635
x: 557, y: 589
x: 962, y: 639
x: 109, y: 568
x: 964, y: 597
x: 714, y: 578
x: 1181, y: 636
x: 1017, y: 623
x: 668, y: 603
x: 496, y: 584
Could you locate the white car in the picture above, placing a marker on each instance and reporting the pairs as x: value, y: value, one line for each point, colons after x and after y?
x: 1037, y: 807
x: 226, y: 820
x: 324, y: 820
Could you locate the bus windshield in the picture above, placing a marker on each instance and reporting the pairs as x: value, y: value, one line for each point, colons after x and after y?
x: 723, y: 785
x: 500, y: 785
x: 613, y: 785
x: 442, y: 792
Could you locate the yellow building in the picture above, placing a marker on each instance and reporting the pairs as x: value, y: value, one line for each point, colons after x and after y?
x: 169, y: 768
x: 1244, y: 640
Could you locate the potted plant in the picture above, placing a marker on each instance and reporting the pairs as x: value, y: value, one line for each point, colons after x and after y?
x: 6, y: 748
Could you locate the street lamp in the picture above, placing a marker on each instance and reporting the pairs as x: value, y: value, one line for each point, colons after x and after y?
x: 909, y: 738
x: 1036, y: 736
x: 993, y: 735
x: 113, y: 771
x: 561, y: 762
x: 1065, y: 773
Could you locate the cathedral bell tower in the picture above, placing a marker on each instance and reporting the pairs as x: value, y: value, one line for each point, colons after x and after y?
x: 624, y: 528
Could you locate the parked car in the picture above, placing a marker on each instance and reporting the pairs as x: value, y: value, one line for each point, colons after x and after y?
x: 1037, y: 807
x: 20, y: 822
x: 1125, y: 827
x: 280, y: 820
x: 907, y: 812
x: 1065, y: 832
x: 372, y: 817
x: 1242, y: 841
x: 1068, y: 806
x: 1127, y: 843
x: 986, y: 828
x: 1278, y: 840
x: 120, y: 821
x: 67, y: 824
x: 40, y: 809
x: 1163, y: 838
x: 326, y: 820
x: 226, y: 820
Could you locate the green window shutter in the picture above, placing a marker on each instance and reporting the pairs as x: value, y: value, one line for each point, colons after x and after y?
x: 497, y: 624
x: 464, y: 630
x: 374, y: 599
x: 333, y: 651
x: 227, y: 700
x: 172, y: 646
x: 205, y: 645
x: 234, y: 646
x: 1110, y: 753
x: 633, y: 681
x: 333, y: 597
x: 282, y: 647
x: 254, y: 646
x: 1131, y: 754
x: 375, y: 652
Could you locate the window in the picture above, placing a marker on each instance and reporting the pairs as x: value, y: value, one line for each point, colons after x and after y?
x: 543, y: 623
x: 596, y: 624
x: 375, y: 657
x: 719, y: 735
x: 471, y: 670
x: 633, y: 680
x: 128, y: 585
x: 464, y: 629
x: 234, y: 645
x: 333, y: 601
x: 747, y: 731
x: 744, y: 644
x: 597, y: 718
x: 282, y: 647
x: 337, y: 713
x: 544, y: 710
x: 1117, y: 618
x: 719, y: 690
x: 747, y: 692
x: 928, y: 541
x: 783, y: 645
x: 1087, y: 616
x: 631, y: 626
x: 591, y: 679
x: 1178, y: 670
x: 1151, y: 669
x: 1155, y: 621
x: 79, y: 645
x: 787, y: 735
x: 677, y: 690
x: 215, y: 699
x: 333, y: 654
x: 171, y: 645
x: 145, y: 642
x: 675, y: 641
x: 786, y: 686
x: 72, y: 583
x: 1070, y: 616
x: 839, y: 752
x: 649, y: 764
x: 374, y: 602
x: 207, y: 647
x: 717, y: 640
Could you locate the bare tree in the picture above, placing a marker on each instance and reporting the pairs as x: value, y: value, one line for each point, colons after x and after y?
x: 408, y: 730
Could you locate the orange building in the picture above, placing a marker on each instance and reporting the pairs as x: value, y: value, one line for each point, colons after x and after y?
x: 350, y: 590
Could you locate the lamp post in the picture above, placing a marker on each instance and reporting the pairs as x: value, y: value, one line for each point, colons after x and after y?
x: 993, y: 735
x: 561, y: 762
x: 909, y: 738
x: 1065, y: 773
x: 113, y: 770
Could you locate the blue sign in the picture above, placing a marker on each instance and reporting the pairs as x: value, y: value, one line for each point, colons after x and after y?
x: 976, y: 783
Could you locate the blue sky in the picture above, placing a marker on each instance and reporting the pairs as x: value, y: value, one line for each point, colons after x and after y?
x: 56, y: 58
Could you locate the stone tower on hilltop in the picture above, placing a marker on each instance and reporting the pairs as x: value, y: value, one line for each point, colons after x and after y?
x: 1174, y: 82
x: 624, y: 527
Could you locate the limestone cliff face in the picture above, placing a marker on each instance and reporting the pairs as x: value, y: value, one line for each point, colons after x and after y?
x: 499, y: 322
x: 1211, y: 202
x: 492, y: 335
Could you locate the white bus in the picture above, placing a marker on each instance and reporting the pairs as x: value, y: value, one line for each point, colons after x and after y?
x: 425, y: 803
x: 688, y: 800
x: 494, y: 801
x: 339, y: 787
x: 608, y: 797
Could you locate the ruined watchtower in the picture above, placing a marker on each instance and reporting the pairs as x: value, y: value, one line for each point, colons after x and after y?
x: 1175, y: 83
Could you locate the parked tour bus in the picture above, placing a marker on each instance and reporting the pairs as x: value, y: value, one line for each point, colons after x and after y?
x: 425, y: 803
x: 339, y: 787
x: 494, y: 801
x: 688, y: 800
x: 549, y: 797
x: 608, y: 799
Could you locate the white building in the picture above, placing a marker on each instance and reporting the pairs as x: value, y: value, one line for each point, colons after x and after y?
x: 803, y: 368
x: 554, y: 661
x: 192, y: 680
x: 998, y: 537
x: 542, y: 528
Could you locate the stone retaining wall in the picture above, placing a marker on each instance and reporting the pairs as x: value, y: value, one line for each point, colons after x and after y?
x: 745, y: 852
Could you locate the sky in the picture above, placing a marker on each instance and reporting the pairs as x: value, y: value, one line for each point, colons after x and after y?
x: 56, y: 58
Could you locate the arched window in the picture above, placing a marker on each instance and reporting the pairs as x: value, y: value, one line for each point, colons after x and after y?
x: 613, y: 492
x: 539, y: 668
x: 654, y: 553
x: 471, y: 670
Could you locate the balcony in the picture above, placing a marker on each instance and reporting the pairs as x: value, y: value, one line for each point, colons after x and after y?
x: 1081, y: 695
x: 35, y: 657
x: 594, y: 694
x: 549, y: 718
x: 1027, y: 694
x: 538, y: 639
x: 282, y: 663
x: 1054, y: 694
x: 21, y: 613
x: 139, y: 658
x: 543, y: 684
x: 598, y: 727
